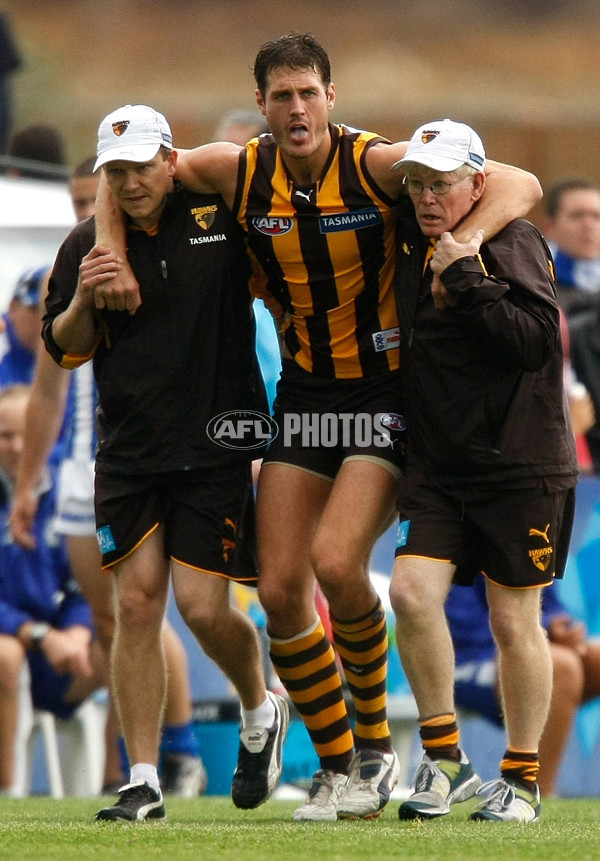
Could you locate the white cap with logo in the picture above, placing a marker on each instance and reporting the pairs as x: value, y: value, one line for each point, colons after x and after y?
x: 132, y: 133
x: 444, y: 145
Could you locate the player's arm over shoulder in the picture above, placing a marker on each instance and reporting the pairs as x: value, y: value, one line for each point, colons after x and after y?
x: 210, y: 169
x: 380, y: 158
x: 510, y: 193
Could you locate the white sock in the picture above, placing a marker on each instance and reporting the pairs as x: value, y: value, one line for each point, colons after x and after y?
x: 147, y: 772
x: 264, y: 715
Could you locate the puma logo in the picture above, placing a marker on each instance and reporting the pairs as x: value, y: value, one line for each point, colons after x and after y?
x: 305, y: 194
x: 543, y: 534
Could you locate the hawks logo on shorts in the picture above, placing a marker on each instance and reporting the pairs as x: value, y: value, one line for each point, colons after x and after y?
x: 228, y: 540
x: 541, y: 556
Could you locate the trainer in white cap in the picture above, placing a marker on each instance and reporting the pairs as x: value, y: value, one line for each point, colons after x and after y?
x: 444, y: 145
x: 132, y: 133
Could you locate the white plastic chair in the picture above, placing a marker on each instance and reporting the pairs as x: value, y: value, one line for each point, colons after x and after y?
x: 74, y: 749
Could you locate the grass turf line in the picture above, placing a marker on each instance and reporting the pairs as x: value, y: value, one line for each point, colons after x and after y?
x: 43, y: 829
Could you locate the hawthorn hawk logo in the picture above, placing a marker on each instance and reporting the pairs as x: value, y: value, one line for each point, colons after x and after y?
x: 541, y: 556
x: 205, y: 216
x: 428, y: 136
x: 120, y: 127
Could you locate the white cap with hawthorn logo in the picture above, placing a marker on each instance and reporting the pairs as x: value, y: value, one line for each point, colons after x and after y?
x: 444, y: 145
x: 132, y: 133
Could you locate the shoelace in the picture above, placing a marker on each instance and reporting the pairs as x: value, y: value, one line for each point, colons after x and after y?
x: 426, y: 771
x: 499, y: 794
x: 133, y: 794
x: 320, y: 779
x: 323, y: 778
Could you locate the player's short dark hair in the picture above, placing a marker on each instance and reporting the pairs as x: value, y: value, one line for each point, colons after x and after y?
x: 294, y: 51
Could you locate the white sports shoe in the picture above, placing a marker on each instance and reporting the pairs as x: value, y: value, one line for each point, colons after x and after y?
x: 439, y: 784
x: 323, y: 796
x: 508, y: 802
x: 373, y: 775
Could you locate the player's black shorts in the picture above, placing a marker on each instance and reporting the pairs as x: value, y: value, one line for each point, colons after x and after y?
x: 518, y: 537
x: 208, y: 517
x: 322, y: 422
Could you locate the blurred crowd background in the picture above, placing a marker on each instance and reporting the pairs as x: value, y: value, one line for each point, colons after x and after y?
x: 524, y: 73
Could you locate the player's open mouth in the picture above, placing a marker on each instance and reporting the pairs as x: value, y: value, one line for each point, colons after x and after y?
x: 299, y: 133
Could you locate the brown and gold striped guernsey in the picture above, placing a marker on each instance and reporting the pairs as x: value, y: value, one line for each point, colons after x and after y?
x: 328, y: 252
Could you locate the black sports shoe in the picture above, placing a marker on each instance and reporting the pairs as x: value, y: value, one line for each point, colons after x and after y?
x: 260, y: 759
x: 137, y: 802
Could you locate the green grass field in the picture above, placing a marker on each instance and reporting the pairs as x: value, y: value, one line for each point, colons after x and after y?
x: 211, y: 828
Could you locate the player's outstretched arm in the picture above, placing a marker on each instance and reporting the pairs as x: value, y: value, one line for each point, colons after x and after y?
x: 45, y: 411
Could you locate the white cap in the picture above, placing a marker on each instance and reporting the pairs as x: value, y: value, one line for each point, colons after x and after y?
x: 132, y: 133
x: 444, y: 145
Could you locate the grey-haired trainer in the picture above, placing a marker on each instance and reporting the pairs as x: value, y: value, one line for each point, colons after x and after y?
x: 438, y: 784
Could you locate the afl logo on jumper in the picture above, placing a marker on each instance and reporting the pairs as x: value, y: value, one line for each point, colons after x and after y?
x: 120, y: 127
x: 269, y: 225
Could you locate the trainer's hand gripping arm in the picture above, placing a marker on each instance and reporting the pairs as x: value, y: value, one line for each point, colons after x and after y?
x: 122, y: 291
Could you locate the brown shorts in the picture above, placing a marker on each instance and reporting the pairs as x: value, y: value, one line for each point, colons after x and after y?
x: 517, y: 537
x: 208, y: 517
x: 321, y: 422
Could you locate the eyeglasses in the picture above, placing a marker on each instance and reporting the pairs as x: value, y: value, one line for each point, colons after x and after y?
x: 439, y: 187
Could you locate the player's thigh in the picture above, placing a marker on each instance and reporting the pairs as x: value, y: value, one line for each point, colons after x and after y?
x: 290, y: 502
x: 359, y: 506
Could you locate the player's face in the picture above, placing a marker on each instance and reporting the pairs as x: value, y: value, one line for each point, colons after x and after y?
x: 141, y: 188
x: 576, y: 228
x: 297, y: 106
x: 438, y: 213
x: 83, y: 195
x: 12, y: 431
x: 26, y: 323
